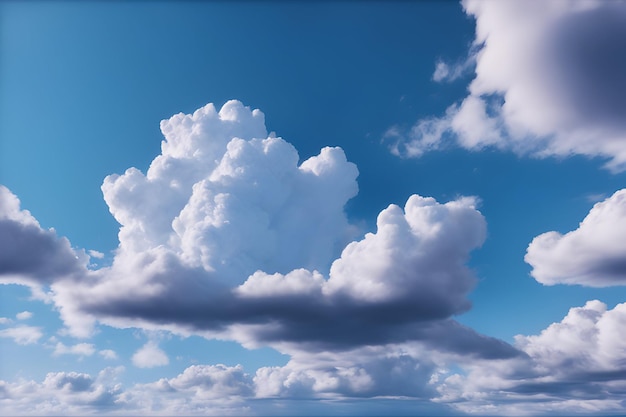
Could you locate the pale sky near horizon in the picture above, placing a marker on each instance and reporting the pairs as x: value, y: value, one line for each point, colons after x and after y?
x: 312, y: 208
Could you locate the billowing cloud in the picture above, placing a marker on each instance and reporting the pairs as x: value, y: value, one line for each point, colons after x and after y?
x: 548, y: 81
x: 592, y: 255
x: 63, y: 393
x: 150, y: 356
x: 574, y: 366
x: 229, y: 235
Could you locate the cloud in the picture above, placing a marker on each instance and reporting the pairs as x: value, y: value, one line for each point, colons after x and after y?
x: 548, y: 82
x: 229, y: 235
x: 150, y: 356
x: 592, y: 255
x: 574, y: 366
x: 22, y: 335
x: 63, y: 393
x: 80, y: 349
x: 24, y: 315
x: 108, y: 354
x: 30, y: 255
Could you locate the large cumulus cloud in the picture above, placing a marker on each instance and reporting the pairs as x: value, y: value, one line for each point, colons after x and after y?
x: 592, y: 255
x: 548, y: 81
x: 229, y: 235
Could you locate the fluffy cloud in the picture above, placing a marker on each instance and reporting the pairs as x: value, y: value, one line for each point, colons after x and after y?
x: 150, y: 356
x: 574, y: 366
x: 228, y: 235
x: 592, y: 255
x: 548, y: 81
x: 63, y: 393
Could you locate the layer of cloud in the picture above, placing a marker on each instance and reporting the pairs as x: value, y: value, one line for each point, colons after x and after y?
x: 548, y: 82
x: 592, y: 255
x: 575, y: 366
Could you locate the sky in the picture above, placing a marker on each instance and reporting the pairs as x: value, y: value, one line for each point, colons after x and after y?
x: 403, y: 208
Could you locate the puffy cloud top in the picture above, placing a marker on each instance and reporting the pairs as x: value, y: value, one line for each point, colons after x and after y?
x: 593, y: 255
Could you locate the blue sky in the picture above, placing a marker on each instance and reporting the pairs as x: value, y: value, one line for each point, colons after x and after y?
x: 274, y: 208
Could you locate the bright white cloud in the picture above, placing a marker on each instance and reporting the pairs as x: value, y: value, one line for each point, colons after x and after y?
x: 24, y: 315
x: 575, y: 366
x: 150, y: 356
x: 592, y: 255
x: 22, y: 335
x: 548, y: 81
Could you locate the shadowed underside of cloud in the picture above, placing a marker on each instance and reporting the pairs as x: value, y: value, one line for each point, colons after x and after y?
x: 575, y: 366
x: 229, y: 235
x: 548, y: 82
x: 593, y: 255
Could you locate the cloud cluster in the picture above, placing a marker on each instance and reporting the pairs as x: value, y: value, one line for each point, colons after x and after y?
x: 592, y: 255
x: 548, y: 81
x: 63, y: 393
x: 574, y: 366
x: 229, y: 235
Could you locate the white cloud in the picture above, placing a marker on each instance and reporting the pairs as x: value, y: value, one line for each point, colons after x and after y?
x: 150, y: 356
x: 548, y: 82
x: 95, y: 254
x: 575, y: 366
x: 24, y: 315
x: 79, y: 349
x: 22, y: 335
x: 108, y: 354
x: 5, y: 320
x: 63, y: 393
x: 592, y: 255
x: 228, y: 236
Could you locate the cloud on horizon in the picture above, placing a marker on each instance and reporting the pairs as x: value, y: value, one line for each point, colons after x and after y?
x: 548, y: 82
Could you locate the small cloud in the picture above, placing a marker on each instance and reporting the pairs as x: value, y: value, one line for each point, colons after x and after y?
x: 24, y: 315
x: 95, y: 254
x: 150, y: 356
x: 108, y: 354
x: 5, y: 320
x: 22, y: 335
x: 80, y: 349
